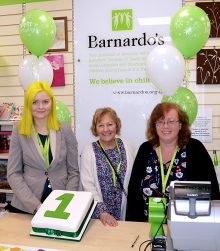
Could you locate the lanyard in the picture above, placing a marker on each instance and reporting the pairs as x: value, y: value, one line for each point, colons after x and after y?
x: 164, y: 178
x: 215, y: 160
x: 110, y: 164
x: 45, y: 149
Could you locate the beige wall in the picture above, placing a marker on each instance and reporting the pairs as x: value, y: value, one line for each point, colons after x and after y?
x: 208, y: 95
x: 12, y: 52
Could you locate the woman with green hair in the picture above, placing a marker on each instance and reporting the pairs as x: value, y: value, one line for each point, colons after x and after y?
x: 43, y: 153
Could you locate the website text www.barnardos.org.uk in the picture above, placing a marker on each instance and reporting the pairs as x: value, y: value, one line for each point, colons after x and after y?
x: 145, y: 92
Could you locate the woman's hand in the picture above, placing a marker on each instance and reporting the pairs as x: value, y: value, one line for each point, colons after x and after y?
x: 108, y: 219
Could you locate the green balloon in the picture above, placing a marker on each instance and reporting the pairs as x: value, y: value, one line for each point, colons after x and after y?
x: 37, y: 31
x: 63, y: 113
x: 186, y: 100
x: 190, y: 29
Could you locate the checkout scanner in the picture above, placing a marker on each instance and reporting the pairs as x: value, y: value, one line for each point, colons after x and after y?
x: 193, y: 219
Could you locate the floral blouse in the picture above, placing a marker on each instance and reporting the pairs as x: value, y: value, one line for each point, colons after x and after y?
x: 112, y: 195
x: 151, y: 184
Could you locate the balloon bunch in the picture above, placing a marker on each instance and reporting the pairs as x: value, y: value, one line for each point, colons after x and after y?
x: 37, y: 31
x: 189, y: 30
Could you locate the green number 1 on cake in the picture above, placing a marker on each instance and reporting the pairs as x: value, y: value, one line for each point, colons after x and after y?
x: 59, y: 212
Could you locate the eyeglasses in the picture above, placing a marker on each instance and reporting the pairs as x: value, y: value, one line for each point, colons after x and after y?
x: 161, y: 123
x: 41, y: 102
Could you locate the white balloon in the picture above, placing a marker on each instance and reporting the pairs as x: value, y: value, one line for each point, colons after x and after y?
x: 34, y: 68
x: 166, y: 68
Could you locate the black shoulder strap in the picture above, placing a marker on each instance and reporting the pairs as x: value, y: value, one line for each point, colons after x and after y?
x: 118, y: 178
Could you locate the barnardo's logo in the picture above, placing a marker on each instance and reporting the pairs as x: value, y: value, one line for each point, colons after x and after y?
x: 122, y: 20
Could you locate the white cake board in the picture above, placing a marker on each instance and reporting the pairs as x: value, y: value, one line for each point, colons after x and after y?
x: 78, y: 238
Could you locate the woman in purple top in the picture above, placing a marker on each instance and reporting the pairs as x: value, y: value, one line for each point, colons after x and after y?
x: 100, y: 161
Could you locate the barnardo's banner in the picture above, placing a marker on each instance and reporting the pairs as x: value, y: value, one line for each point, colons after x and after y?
x: 111, y: 42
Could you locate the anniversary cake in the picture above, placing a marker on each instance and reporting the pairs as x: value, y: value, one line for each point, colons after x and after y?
x: 64, y: 215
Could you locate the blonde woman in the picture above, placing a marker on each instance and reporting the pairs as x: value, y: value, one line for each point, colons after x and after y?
x: 43, y: 152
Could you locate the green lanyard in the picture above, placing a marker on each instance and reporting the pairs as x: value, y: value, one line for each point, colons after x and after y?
x: 110, y: 164
x: 215, y: 160
x: 45, y: 149
x: 164, y: 178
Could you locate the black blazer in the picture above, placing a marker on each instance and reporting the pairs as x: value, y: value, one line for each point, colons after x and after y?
x: 199, y: 168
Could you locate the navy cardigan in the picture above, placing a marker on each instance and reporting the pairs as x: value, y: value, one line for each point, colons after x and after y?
x: 199, y: 168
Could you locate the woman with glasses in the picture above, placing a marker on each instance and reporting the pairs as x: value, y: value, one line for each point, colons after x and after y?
x: 106, y: 167
x: 43, y: 152
x: 169, y: 154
